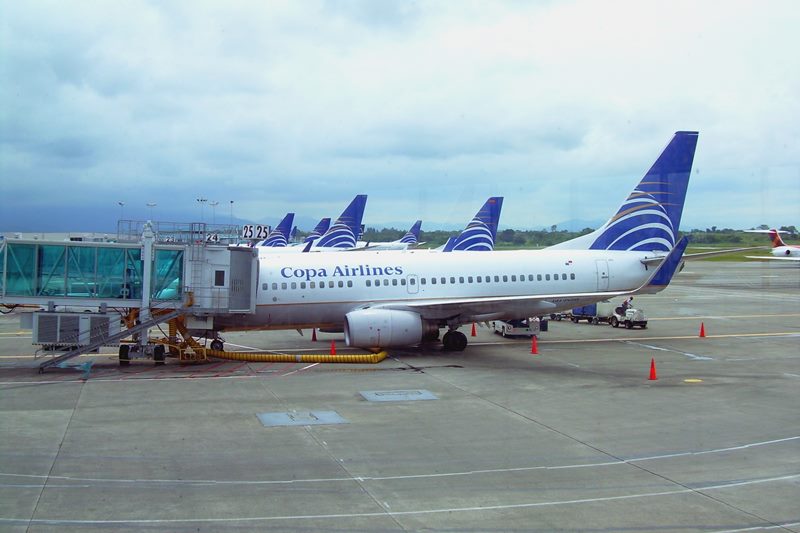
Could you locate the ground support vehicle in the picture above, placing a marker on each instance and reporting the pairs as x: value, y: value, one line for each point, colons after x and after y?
x: 517, y: 327
x: 593, y: 313
x: 629, y: 318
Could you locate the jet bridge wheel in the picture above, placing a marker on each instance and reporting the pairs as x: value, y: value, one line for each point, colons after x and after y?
x: 454, y: 341
x: 217, y: 345
x: 124, y: 357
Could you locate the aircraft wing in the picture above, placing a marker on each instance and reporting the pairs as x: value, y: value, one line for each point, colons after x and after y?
x: 442, y: 308
x: 703, y: 255
x: 774, y: 258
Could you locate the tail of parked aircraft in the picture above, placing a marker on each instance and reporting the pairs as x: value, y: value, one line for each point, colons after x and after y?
x: 480, y: 234
x: 318, y: 231
x: 775, y: 237
x: 344, y: 232
x: 412, y: 237
x: 279, y: 237
x: 649, y: 219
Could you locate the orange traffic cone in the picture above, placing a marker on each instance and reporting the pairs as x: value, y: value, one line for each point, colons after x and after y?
x: 653, y: 376
x: 702, y: 330
x: 474, y: 333
x: 314, y: 335
x: 534, y: 346
x: 333, y: 347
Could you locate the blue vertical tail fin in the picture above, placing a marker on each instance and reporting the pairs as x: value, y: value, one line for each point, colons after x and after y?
x: 412, y: 236
x: 649, y: 218
x: 319, y: 230
x: 480, y: 233
x: 279, y: 236
x: 344, y: 232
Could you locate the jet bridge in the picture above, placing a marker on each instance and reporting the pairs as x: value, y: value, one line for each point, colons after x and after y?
x: 169, y: 270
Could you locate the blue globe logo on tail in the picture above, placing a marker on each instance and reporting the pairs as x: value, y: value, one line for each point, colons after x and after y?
x: 344, y: 232
x: 650, y: 217
x: 481, y: 232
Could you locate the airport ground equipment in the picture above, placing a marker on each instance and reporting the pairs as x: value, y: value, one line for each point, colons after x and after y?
x: 629, y: 318
x: 517, y: 327
x: 593, y: 313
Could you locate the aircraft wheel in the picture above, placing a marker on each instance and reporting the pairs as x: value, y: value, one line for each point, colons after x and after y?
x: 124, y: 355
x: 447, y: 341
x: 459, y: 341
x: 614, y: 322
x: 158, y: 354
x: 217, y: 345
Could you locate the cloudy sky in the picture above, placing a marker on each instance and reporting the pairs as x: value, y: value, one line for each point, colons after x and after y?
x: 428, y: 107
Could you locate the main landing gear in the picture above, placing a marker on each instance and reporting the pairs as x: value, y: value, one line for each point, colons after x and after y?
x: 454, y: 341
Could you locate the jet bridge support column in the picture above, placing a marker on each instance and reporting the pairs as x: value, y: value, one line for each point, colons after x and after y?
x: 148, y: 238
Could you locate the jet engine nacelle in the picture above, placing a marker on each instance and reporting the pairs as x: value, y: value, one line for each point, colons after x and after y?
x: 384, y: 328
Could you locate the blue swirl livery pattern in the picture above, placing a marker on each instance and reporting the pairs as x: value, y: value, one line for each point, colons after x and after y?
x: 279, y: 237
x: 344, y: 232
x: 480, y: 233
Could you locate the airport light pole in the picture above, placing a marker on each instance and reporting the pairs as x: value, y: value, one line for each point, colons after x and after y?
x: 213, y: 211
x: 231, y: 221
x: 151, y: 205
x: 202, y: 202
x: 121, y: 210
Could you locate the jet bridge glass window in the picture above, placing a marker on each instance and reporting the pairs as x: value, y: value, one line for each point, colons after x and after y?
x: 168, y: 275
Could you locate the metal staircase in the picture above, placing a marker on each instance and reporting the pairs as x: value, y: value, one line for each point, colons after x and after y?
x: 101, y: 340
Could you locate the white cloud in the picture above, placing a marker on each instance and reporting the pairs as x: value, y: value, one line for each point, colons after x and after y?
x: 429, y: 107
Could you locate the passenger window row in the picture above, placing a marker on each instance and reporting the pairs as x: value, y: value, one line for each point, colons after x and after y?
x: 422, y: 281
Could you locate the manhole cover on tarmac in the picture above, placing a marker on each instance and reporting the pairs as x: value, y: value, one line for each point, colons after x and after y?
x: 302, y: 418
x: 397, y: 395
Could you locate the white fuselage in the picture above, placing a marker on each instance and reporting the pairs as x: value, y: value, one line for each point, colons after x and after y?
x: 313, y: 289
x: 786, y: 251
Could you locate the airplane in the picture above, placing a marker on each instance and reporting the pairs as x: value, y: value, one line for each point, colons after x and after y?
x: 339, y: 236
x: 385, y: 299
x: 411, y: 238
x: 321, y: 227
x: 481, y: 233
x: 279, y: 237
x: 780, y: 250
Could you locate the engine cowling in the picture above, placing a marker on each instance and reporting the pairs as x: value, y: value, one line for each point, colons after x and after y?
x: 384, y: 328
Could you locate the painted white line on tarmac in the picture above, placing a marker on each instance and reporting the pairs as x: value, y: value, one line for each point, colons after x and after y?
x: 388, y: 513
x: 402, y: 477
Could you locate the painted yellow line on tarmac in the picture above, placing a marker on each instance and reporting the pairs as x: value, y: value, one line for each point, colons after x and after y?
x: 711, y: 317
x: 17, y: 334
x: 677, y: 337
x: 692, y: 380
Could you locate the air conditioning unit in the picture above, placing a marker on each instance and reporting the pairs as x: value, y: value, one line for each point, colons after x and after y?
x: 73, y: 329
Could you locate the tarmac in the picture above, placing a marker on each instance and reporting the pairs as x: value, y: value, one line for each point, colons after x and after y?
x: 574, y: 438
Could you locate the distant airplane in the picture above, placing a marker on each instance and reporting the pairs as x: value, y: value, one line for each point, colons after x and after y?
x: 780, y: 250
x: 279, y: 237
x: 339, y: 236
x: 318, y: 231
x: 398, y: 298
x: 481, y: 233
x: 411, y: 238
